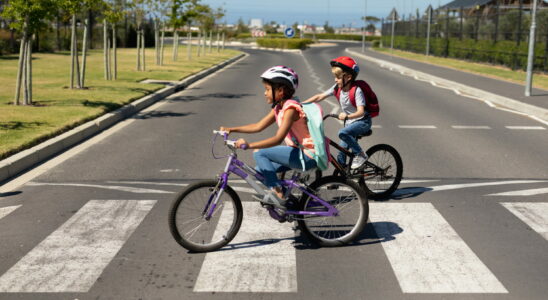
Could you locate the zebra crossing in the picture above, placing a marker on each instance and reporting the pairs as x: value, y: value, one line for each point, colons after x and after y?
x: 262, y: 258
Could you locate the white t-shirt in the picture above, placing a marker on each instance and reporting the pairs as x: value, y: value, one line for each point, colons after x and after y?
x: 344, y: 100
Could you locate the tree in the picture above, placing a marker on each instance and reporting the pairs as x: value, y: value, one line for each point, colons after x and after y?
x: 140, y: 12
x: 158, y: 9
x: 241, y: 27
x: 29, y: 17
x: 328, y: 28
x: 114, y: 12
x: 371, y: 21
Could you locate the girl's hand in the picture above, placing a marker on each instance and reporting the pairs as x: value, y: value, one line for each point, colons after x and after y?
x: 342, y: 116
x: 240, y: 142
x: 225, y: 129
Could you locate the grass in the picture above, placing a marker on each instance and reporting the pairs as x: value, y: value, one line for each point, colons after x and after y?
x: 493, y: 71
x: 57, y: 108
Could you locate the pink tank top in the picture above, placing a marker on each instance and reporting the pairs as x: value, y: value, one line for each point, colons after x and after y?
x: 299, y: 129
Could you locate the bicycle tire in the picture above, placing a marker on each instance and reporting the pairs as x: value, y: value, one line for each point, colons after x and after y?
x: 379, y: 186
x: 316, y: 228
x: 219, y: 239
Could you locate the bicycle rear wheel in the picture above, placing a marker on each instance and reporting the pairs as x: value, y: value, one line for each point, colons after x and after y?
x: 384, y: 178
x: 187, y: 217
x: 351, y: 202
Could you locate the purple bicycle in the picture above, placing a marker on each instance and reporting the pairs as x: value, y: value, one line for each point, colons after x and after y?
x: 207, y: 215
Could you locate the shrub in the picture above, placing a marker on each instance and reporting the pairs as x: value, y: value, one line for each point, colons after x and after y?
x: 284, y: 43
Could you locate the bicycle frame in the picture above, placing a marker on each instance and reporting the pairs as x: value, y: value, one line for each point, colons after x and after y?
x: 242, y: 170
x: 346, y: 171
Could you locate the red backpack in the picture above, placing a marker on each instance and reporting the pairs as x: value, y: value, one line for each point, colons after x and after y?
x: 371, y: 101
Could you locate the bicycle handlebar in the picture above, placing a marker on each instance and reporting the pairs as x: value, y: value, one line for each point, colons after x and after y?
x: 331, y: 116
x: 228, y: 142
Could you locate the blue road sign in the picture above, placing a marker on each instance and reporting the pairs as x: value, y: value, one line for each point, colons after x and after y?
x: 289, y: 32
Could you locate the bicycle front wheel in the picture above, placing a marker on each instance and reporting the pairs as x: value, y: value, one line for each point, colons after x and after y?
x: 188, y: 220
x: 382, y: 178
x: 353, y: 210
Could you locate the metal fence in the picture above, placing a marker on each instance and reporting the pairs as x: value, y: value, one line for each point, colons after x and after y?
x: 496, y: 34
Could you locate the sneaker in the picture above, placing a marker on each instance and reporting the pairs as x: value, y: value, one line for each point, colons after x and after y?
x: 358, y: 161
x: 269, y: 198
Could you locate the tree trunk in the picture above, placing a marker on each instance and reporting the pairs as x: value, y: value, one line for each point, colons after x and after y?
x: 157, y: 42
x: 223, y: 48
x: 58, y: 33
x: 77, y: 63
x: 105, y: 48
x: 72, y: 43
x: 20, y: 70
x: 114, y: 53
x: 210, y: 40
x: 109, y: 70
x: 28, y: 100
x: 25, y: 71
x: 84, y: 54
x: 143, y: 43
x: 218, y: 42
x: 175, y: 44
x: 138, y: 42
x: 189, y: 45
x: 162, y: 47
x: 199, y: 43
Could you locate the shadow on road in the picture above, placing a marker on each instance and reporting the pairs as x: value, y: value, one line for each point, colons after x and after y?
x: 209, y: 97
x: 160, y: 114
x: 405, y: 193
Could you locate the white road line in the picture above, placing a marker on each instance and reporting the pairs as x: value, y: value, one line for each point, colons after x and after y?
x: 429, y: 256
x: 534, y: 214
x: 107, y: 187
x: 470, y: 127
x: 405, y: 191
x: 4, y: 211
x: 261, y: 259
x: 376, y: 126
x: 243, y: 189
x: 418, y: 180
x: 417, y: 126
x: 526, y: 127
x: 531, y: 192
x: 74, y: 256
x: 148, y: 183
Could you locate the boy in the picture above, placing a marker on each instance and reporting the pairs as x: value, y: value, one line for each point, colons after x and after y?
x: 357, y: 120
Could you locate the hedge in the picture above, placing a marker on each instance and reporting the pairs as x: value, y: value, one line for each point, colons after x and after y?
x: 506, y: 53
x: 284, y: 43
x: 333, y: 36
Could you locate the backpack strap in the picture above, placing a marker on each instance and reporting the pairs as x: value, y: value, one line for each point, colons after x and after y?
x: 351, y: 93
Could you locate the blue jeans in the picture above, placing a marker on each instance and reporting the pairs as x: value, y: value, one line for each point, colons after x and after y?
x: 348, y: 137
x: 278, y: 159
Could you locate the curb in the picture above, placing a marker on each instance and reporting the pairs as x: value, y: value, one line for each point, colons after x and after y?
x: 459, y: 88
x: 277, y: 49
x: 24, y: 160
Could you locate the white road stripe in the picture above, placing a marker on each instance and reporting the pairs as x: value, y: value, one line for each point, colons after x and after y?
x: 531, y: 192
x: 427, y: 255
x: 405, y: 191
x: 149, y: 183
x: 4, y: 211
x: 376, y: 126
x: 534, y: 214
x: 107, y: 187
x: 470, y: 127
x: 417, y: 126
x: 418, y: 180
x: 260, y: 259
x: 74, y: 256
x: 526, y: 127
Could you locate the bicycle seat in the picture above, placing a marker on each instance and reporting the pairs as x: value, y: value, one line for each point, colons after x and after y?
x: 368, y: 133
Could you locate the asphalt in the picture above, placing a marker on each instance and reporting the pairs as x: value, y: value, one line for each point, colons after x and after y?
x: 500, y: 87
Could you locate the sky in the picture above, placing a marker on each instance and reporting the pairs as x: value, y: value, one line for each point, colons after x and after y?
x: 317, y: 12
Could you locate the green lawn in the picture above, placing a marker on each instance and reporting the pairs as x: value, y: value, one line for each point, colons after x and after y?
x: 499, y: 72
x: 58, y: 108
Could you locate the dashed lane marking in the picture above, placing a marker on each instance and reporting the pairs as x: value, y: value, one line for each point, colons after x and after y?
x: 429, y: 256
x: 526, y: 127
x: 470, y: 127
x: 74, y: 256
x: 534, y: 214
x: 406, y: 191
x: 417, y: 126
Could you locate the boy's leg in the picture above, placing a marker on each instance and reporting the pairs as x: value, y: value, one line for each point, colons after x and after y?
x: 348, y: 134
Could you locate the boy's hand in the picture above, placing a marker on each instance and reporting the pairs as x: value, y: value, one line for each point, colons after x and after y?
x: 240, y: 142
x: 343, y: 116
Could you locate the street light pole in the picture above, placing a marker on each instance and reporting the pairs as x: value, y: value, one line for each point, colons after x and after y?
x: 531, y: 55
x: 364, y: 26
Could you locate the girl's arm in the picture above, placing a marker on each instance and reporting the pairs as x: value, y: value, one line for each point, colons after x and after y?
x: 316, y: 98
x: 291, y: 115
x: 254, y: 127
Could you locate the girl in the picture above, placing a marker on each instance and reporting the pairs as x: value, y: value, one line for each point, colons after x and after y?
x: 280, y: 83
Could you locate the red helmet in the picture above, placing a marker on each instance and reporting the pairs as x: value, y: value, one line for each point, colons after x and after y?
x: 347, y: 64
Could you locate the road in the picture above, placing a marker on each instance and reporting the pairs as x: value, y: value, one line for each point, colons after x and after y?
x: 469, y: 221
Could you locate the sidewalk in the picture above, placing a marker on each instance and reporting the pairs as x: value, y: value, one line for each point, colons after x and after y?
x: 495, y: 86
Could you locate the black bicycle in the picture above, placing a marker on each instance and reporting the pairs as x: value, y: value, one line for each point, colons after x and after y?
x: 381, y: 174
